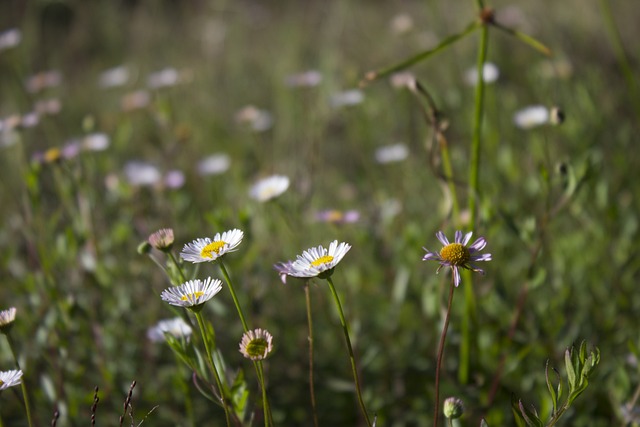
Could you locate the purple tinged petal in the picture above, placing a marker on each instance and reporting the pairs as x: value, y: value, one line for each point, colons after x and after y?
x: 478, y: 245
x: 456, y: 276
x: 431, y: 255
x: 443, y: 239
x: 477, y: 270
x: 483, y: 257
x: 458, y: 236
x: 467, y: 237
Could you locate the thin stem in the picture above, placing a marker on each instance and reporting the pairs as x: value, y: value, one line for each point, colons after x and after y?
x: 257, y: 365
x: 23, y: 384
x: 175, y: 262
x: 474, y: 191
x: 212, y: 366
x: 441, y: 352
x: 352, y: 358
x: 311, y: 383
x: 233, y: 295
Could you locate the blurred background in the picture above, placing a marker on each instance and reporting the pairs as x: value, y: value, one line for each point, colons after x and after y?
x: 118, y: 118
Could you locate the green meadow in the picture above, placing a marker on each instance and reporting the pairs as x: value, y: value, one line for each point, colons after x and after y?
x: 122, y: 118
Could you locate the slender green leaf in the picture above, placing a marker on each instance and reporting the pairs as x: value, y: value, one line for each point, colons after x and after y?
x: 571, y: 373
x: 375, y: 75
x: 552, y: 391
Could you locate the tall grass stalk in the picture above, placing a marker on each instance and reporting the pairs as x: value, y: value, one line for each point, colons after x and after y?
x: 352, y: 358
x: 474, y: 192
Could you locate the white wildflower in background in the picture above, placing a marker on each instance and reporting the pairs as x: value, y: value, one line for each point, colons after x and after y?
x: 30, y: 120
x: 96, y: 142
x: 346, y: 98
x: 530, y: 117
x: 43, y: 80
x: 401, y: 23
x: 206, y: 249
x: 215, y: 164
x: 10, y: 38
x: 490, y: 74
x: 6, y: 319
x: 259, y: 120
x: 256, y: 344
x: 192, y: 294
x: 168, y: 77
x: 269, y: 188
x: 114, y: 77
x: 48, y: 106
x: 174, y: 179
x: 175, y: 327
x: 403, y: 80
x: 135, y: 100
x: 140, y: 174
x: 319, y: 261
x: 458, y: 255
x: 335, y: 216
x: 305, y: 79
x: 392, y: 153
x: 10, y: 379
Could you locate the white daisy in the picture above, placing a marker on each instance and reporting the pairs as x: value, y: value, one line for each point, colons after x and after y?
x: 530, y: 117
x: 192, y: 294
x: 490, y: 74
x: 316, y: 261
x: 269, y: 188
x: 256, y: 344
x: 175, y: 327
x: 10, y: 378
x: 392, y: 153
x: 206, y: 249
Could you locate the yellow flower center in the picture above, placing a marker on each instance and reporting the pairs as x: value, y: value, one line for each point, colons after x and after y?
x: 193, y: 295
x: 1, y: 383
x: 52, y: 154
x: 207, y: 251
x: 326, y: 259
x: 456, y: 254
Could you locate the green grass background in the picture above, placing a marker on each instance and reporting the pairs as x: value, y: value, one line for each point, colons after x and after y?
x: 85, y: 298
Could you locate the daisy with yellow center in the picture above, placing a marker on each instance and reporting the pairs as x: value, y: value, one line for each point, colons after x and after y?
x: 206, y: 249
x: 318, y: 261
x: 458, y: 255
x: 192, y: 294
x: 256, y: 344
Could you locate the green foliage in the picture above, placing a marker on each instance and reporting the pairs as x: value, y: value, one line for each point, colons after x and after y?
x: 578, y: 366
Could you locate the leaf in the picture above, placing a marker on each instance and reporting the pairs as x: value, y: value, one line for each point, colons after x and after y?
x: 571, y: 373
x: 531, y: 417
x: 483, y: 423
x: 552, y: 391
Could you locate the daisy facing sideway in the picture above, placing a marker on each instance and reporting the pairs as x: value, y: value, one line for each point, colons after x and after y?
x: 458, y: 255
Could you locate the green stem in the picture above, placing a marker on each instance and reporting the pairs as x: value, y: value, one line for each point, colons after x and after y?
x: 374, y: 75
x: 311, y: 382
x: 443, y: 336
x: 474, y: 190
x: 212, y: 366
x: 257, y: 365
x: 23, y: 384
x: 233, y: 295
x: 352, y: 358
x: 448, y: 171
x: 175, y: 262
